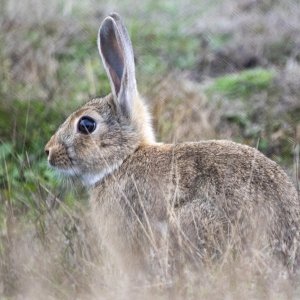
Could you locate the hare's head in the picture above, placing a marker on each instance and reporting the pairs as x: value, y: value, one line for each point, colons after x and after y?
x: 96, y: 138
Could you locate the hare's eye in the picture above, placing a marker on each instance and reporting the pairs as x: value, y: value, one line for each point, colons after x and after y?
x: 86, y: 125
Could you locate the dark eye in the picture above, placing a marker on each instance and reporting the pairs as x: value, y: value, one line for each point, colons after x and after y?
x: 86, y: 125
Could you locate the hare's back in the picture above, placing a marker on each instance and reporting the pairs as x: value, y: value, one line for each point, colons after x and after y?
x: 217, y: 168
x: 230, y: 167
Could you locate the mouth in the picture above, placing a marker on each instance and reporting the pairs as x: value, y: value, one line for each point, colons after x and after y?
x: 67, y: 171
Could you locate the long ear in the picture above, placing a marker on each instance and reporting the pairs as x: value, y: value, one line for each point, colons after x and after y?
x: 117, y: 56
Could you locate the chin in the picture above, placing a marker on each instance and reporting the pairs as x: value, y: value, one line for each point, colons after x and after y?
x: 73, y: 171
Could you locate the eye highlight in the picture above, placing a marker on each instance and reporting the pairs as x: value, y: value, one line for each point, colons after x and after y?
x: 86, y: 125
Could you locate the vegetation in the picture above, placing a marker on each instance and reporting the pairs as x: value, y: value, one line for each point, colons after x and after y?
x: 244, y: 83
x: 236, y: 77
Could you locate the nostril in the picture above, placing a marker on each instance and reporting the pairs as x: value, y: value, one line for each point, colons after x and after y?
x: 47, y: 152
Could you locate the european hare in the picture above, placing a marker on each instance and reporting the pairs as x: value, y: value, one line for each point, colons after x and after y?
x: 199, y: 197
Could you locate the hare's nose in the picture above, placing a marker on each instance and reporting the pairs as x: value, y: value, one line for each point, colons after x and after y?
x: 50, y: 148
x: 47, y: 150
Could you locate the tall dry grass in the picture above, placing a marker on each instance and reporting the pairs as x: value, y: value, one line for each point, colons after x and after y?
x: 71, y: 262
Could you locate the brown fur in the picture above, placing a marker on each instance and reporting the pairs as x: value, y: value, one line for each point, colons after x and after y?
x: 188, y: 200
x: 209, y: 188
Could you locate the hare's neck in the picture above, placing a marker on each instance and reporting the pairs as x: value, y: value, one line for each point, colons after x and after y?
x: 142, y: 121
x: 90, y: 180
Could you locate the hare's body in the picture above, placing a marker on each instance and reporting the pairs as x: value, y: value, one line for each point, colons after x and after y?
x: 203, y: 197
x: 197, y: 199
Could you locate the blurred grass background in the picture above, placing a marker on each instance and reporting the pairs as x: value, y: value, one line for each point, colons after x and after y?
x: 208, y: 69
